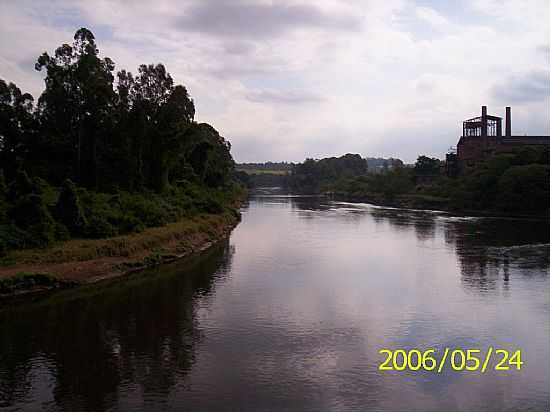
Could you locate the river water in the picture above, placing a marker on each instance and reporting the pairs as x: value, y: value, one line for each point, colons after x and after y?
x: 290, y: 314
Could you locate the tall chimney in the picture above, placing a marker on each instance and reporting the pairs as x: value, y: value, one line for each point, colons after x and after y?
x: 484, y: 121
x: 508, y: 122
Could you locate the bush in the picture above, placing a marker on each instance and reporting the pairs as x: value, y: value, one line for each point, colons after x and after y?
x: 13, y: 237
x: 22, y: 186
x: 68, y: 209
x: 130, y: 224
x: 31, y: 214
x: 61, y: 232
x: 525, y: 188
x: 210, y: 206
x: 99, y: 227
x: 3, y: 186
x: 149, y: 209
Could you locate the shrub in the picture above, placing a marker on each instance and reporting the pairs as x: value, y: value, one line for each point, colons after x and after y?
x: 149, y: 209
x: 130, y: 224
x: 61, y: 232
x: 525, y: 188
x: 13, y: 237
x: 22, y: 186
x: 3, y: 186
x: 31, y: 214
x: 68, y: 209
x: 98, y: 228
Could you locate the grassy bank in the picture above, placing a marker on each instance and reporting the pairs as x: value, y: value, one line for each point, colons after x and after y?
x: 80, y: 261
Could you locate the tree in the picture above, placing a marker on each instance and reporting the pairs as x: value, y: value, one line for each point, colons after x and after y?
x: 17, y: 125
x: 3, y: 199
x: 427, y: 165
x: 174, y: 121
x: 75, y: 107
x: 525, y: 188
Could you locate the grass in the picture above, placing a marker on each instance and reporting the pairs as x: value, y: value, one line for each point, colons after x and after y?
x: 150, y: 239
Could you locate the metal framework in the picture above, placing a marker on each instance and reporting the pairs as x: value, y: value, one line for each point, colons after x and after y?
x: 482, y: 126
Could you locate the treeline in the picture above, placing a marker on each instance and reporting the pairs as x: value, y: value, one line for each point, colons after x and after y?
x: 102, y: 153
x: 267, y: 166
x: 516, y: 183
x: 315, y: 176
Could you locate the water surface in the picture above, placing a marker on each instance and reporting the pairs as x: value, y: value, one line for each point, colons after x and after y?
x: 290, y: 313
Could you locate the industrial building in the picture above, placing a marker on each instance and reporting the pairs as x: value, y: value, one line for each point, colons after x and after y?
x: 482, y: 138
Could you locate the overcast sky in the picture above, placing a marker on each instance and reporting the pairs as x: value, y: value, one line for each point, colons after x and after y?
x: 286, y: 79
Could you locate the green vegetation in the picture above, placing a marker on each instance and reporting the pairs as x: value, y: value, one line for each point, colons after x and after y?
x: 385, y: 186
x: 104, y: 154
x: 315, y: 176
x: 515, y: 183
x: 174, y: 236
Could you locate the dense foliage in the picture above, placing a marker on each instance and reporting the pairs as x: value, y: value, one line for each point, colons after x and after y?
x: 427, y: 166
x: 517, y: 182
x: 101, y: 152
x: 313, y: 176
x: 385, y: 186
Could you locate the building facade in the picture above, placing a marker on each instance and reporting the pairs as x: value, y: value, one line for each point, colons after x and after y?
x: 482, y: 138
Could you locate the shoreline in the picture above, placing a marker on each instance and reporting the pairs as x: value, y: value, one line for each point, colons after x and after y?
x: 88, y: 261
x: 426, y: 203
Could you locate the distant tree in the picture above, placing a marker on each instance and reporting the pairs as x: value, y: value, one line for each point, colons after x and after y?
x: 310, y: 175
x: 397, y: 163
x: 427, y: 165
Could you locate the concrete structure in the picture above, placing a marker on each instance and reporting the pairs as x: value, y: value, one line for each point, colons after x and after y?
x: 482, y: 138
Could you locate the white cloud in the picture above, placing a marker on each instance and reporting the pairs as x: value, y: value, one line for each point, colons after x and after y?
x: 301, y: 78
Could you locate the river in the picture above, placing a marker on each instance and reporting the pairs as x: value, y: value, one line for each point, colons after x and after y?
x: 290, y: 314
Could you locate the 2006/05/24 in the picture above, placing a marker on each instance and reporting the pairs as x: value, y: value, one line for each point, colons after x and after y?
x: 457, y: 359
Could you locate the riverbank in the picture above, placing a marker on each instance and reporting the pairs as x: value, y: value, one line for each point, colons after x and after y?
x: 85, y: 261
x: 425, y: 202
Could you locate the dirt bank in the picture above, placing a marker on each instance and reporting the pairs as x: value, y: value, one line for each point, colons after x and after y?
x: 86, y: 261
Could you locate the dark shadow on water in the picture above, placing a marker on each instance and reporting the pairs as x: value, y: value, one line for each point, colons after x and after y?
x: 95, y: 340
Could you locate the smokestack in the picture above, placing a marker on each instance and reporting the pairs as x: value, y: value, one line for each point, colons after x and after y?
x: 484, y: 121
x: 508, y: 122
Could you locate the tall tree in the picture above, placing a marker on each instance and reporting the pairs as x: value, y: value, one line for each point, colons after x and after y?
x: 17, y: 126
x: 75, y: 107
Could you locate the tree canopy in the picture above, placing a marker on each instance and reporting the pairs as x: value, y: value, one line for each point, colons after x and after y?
x: 103, y: 152
x: 103, y: 129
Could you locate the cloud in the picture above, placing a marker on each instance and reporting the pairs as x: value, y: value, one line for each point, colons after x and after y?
x: 286, y: 79
x: 545, y: 49
x: 282, y: 96
x: 253, y: 19
x: 529, y: 87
